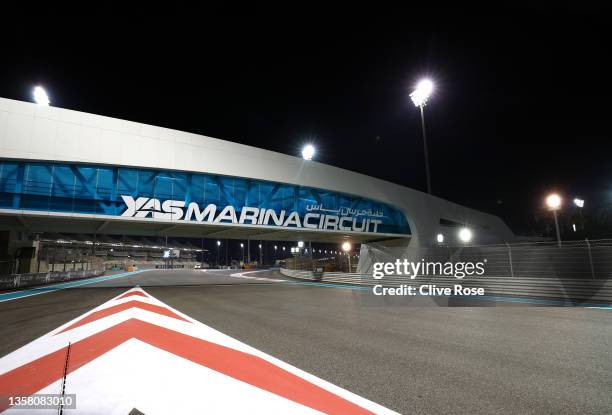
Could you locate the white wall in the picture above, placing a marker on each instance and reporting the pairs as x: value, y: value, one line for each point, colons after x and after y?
x: 29, y: 131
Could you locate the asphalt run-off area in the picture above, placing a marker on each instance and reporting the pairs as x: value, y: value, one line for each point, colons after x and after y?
x: 417, y: 359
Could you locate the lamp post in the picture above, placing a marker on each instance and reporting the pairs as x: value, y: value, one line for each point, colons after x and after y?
x: 218, y: 256
x: 260, y: 257
x: 242, y: 247
x: 579, y: 204
x: 419, y: 97
x: 275, y: 247
x: 346, y: 247
x: 553, y: 201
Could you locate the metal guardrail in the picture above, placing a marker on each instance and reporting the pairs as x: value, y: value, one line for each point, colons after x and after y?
x: 11, y: 281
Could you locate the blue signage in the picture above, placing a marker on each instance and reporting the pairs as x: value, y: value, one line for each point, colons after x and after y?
x: 182, y: 196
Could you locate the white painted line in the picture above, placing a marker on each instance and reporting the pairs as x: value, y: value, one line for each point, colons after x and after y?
x: 243, y: 275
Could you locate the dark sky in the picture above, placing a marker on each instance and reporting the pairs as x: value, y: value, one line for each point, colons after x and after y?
x: 521, y: 105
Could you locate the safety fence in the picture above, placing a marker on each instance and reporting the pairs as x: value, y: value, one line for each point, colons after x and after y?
x: 574, y: 270
x: 11, y: 281
x: 571, y: 259
x: 573, y: 290
x: 341, y: 262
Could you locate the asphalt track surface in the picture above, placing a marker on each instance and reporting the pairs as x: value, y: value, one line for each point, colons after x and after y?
x: 420, y: 359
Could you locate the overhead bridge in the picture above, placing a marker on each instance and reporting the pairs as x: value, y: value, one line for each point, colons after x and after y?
x: 85, y: 198
x: 73, y: 172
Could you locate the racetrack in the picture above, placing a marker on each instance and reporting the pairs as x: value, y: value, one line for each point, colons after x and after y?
x: 416, y: 359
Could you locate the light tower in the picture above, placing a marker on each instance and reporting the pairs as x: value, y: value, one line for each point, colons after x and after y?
x: 419, y: 97
x: 553, y: 201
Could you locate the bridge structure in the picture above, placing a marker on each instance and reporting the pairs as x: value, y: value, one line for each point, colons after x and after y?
x: 74, y: 172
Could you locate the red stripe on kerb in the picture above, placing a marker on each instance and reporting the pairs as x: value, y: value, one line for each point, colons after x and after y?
x: 133, y: 293
x: 244, y: 367
x: 120, y: 307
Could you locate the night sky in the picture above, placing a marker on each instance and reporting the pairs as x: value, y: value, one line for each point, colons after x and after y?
x: 521, y: 105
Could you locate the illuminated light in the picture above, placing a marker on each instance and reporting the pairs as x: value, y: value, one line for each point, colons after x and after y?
x: 346, y: 246
x: 241, y: 245
x: 40, y: 96
x: 465, y: 235
x: 553, y: 201
x: 218, y: 243
x: 301, y: 244
x: 440, y: 238
x: 574, y: 227
x: 308, y: 152
x: 275, y: 247
x: 579, y: 202
x: 422, y: 92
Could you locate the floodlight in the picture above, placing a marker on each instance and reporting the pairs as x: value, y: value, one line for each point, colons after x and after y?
x: 308, y: 152
x: 40, y: 96
x: 465, y: 235
x: 422, y: 92
x: 553, y: 201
